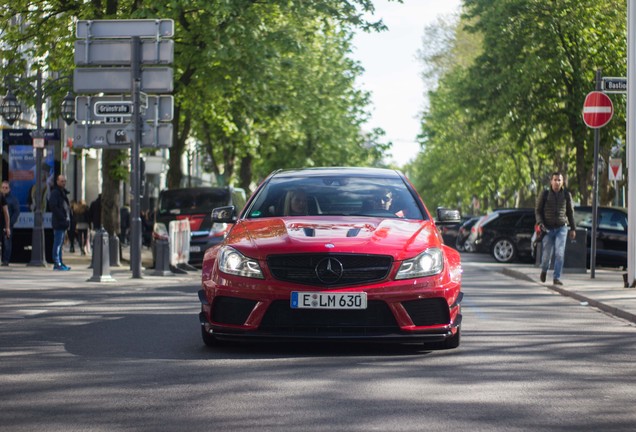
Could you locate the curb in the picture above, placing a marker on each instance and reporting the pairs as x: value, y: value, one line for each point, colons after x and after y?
x: 619, y: 313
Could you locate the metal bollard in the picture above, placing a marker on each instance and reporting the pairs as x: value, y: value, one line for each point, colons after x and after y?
x: 101, y: 258
x: 162, y: 258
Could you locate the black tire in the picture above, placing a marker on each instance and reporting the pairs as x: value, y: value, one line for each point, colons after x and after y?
x: 453, y: 342
x: 459, y: 245
x: 208, y: 339
x: 504, y: 250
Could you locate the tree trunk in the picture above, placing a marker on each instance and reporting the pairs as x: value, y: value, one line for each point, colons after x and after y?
x: 245, y: 173
x: 110, y: 191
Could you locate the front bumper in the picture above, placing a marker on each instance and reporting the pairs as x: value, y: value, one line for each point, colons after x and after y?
x: 241, y: 319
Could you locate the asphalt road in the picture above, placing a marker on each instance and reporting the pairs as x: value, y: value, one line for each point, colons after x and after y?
x: 113, y: 359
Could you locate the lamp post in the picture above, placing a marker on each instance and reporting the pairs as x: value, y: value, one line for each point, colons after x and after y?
x: 11, y: 110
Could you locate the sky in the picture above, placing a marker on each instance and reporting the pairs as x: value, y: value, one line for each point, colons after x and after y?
x: 392, y: 71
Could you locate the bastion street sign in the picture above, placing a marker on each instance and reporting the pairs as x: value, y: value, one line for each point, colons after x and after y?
x: 614, y: 85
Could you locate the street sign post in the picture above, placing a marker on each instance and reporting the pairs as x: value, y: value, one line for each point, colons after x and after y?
x: 119, y: 136
x: 127, y: 46
x: 153, y: 108
x: 122, y: 29
x: 119, y: 80
x: 597, y: 112
x: 109, y: 52
x: 597, y: 109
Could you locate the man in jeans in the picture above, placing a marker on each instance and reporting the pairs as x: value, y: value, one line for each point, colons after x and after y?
x: 553, y: 213
x: 14, y: 211
x: 61, y: 220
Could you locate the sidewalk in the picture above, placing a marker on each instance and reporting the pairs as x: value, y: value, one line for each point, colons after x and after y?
x: 605, y: 292
x: 20, y: 275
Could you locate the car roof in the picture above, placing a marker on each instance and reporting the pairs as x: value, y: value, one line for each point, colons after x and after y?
x: 589, y: 208
x: 338, y: 171
x: 510, y: 210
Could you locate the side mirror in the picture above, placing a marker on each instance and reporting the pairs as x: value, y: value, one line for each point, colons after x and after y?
x: 448, y: 216
x: 224, y: 214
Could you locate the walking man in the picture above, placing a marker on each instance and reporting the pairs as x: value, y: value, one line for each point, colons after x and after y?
x: 553, y: 213
x: 13, y: 207
x: 4, y: 216
x: 61, y: 220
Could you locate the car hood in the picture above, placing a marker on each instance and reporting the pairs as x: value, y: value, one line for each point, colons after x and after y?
x: 399, y: 238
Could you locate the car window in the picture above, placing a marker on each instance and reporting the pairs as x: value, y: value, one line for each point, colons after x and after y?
x: 526, y: 221
x: 504, y: 221
x: 202, y: 200
x: 335, y: 195
x: 238, y: 199
x: 611, y: 219
x: 583, y: 218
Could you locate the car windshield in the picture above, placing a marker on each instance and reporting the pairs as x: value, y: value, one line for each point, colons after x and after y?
x: 335, y: 195
x: 179, y: 201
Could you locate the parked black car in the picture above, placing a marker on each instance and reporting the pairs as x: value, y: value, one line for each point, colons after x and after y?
x: 451, y: 231
x: 463, y: 233
x: 506, y: 234
x: 611, y: 234
x: 195, y: 205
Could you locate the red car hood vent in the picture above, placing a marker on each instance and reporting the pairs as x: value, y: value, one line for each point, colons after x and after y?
x: 399, y: 238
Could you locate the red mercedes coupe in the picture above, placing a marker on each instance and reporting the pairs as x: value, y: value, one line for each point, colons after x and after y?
x: 333, y: 254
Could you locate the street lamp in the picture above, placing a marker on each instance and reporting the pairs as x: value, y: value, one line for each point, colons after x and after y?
x: 68, y: 108
x: 11, y: 110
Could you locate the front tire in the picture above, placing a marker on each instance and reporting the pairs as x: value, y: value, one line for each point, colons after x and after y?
x: 504, y: 250
x: 208, y: 339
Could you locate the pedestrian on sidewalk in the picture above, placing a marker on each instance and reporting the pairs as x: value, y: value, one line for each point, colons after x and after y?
x: 554, y: 213
x: 13, y: 207
x: 82, y: 224
x: 61, y: 220
x: 6, y: 224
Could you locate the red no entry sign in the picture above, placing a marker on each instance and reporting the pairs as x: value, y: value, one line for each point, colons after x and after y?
x: 597, y: 109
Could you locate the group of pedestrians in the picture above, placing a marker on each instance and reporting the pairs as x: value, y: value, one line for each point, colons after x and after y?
x: 74, y: 219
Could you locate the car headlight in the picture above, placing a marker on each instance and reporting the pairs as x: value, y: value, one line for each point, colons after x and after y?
x: 430, y: 262
x: 233, y: 262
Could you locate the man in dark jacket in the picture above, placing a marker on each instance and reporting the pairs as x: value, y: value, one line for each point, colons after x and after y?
x: 553, y: 213
x: 13, y: 207
x: 61, y: 220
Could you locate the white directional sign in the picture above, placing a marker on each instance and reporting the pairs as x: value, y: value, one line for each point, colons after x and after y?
x: 121, y: 136
x: 121, y: 29
x: 156, y: 108
x: 119, y: 80
x: 614, y: 85
x: 116, y: 52
x: 122, y: 108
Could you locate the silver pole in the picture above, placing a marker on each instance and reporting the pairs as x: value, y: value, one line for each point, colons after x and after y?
x: 631, y: 142
x: 135, y: 225
x: 37, y: 239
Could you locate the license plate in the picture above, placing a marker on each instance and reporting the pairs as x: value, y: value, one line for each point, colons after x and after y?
x: 195, y: 248
x: 326, y: 300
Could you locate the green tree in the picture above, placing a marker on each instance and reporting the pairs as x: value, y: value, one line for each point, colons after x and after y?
x: 516, y: 97
x: 241, y: 83
x: 540, y: 59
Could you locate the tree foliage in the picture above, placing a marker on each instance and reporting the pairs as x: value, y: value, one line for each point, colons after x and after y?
x: 521, y: 93
x: 259, y: 84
